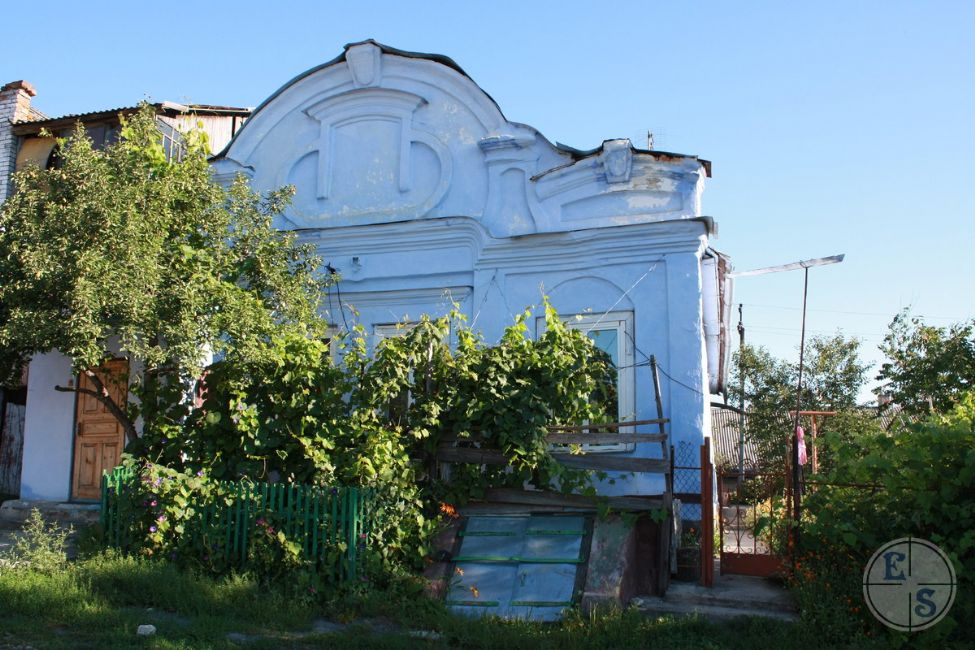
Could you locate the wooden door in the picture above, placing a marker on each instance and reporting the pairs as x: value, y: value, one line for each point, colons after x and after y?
x: 99, y: 437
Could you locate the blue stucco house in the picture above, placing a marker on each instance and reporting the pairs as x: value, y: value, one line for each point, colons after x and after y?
x: 412, y: 183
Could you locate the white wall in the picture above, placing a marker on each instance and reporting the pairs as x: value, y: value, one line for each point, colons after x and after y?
x: 48, y: 429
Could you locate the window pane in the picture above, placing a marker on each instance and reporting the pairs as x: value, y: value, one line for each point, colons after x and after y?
x: 607, y: 342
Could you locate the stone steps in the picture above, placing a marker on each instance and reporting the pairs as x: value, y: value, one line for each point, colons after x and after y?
x: 13, y: 513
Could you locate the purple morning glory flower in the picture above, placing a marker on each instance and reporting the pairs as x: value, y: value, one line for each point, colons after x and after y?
x: 157, y: 482
x: 200, y: 473
x: 153, y: 503
x: 161, y: 518
x: 152, y: 529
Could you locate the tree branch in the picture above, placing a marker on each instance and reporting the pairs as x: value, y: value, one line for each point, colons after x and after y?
x: 102, y: 395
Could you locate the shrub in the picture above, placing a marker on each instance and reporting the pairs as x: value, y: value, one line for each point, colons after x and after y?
x: 924, y: 478
x: 290, y: 415
x: 40, y: 546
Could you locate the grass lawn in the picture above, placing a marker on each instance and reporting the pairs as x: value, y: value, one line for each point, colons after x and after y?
x: 99, y: 602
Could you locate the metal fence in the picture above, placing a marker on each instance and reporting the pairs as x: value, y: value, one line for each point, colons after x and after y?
x: 687, y: 479
x: 330, y: 525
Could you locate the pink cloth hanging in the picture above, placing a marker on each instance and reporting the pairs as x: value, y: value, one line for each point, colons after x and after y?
x: 800, y: 435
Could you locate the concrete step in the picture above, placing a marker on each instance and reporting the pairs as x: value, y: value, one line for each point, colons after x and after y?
x: 733, y: 591
x: 730, y: 596
x: 13, y: 513
x: 656, y: 606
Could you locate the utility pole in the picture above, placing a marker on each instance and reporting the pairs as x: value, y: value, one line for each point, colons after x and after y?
x: 741, y: 403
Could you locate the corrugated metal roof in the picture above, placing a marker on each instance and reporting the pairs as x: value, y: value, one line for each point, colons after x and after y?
x: 82, y: 116
x: 108, y: 113
x: 724, y: 431
x: 725, y: 438
x: 891, y: 414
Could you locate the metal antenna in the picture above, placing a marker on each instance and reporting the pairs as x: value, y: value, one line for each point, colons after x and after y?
x: 805, y: 265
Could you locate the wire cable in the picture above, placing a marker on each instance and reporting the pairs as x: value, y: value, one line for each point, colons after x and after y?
x: 622, y: 295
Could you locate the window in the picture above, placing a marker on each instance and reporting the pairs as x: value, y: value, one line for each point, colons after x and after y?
x: 612, y: 334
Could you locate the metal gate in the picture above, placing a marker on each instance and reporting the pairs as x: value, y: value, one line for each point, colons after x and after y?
x: 755, y: 523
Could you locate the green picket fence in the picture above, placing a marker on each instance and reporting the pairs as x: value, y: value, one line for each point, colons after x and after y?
x: 331, y: 525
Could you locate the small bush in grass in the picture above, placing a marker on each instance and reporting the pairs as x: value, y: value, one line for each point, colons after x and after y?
x: 41, y: 546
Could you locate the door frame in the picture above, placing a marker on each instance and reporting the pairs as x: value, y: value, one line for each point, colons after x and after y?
x: 74, y: 431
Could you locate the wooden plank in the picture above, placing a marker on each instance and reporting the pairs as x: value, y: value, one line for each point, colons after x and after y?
x: 547, y: 498
x: 689, y: 497
x: 707, y: 516
x: 602, y: 438
x: 614, y: 463
x: 579, y: 461
x: 483, y: 508
x: 577, y: 435
x: 606, y: 425
x: 663, y: 552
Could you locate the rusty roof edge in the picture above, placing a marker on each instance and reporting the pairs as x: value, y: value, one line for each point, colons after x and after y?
x: 25, y: 127
x: 582, y: 154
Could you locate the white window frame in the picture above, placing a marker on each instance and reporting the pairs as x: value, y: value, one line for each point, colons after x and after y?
x: 382, y: 331
x: 622, y: 322
x: 331, y: 331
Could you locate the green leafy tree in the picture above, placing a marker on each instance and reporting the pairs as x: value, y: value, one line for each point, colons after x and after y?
x: 929, y: 368
x: 833, y: 376
x: 125, y: 252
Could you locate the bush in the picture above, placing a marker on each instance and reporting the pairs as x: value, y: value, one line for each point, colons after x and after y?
x: 292, y: 416
x: 40, y: 546
x: 924, y: 478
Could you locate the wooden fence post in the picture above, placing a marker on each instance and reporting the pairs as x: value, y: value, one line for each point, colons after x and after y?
x: 707, y: 515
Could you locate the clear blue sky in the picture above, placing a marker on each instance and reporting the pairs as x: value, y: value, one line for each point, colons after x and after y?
x: 834, y: 127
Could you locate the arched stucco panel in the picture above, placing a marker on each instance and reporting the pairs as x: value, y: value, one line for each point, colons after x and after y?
x: 589, y: 294
x: 380, y: 135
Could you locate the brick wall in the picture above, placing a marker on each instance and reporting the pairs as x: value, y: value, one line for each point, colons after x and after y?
x: 14, y: 106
